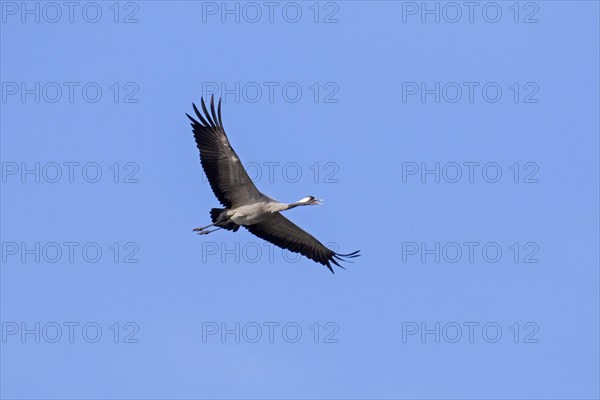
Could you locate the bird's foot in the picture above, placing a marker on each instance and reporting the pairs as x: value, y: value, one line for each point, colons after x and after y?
x: 202, y: 228
x: 206, y: 232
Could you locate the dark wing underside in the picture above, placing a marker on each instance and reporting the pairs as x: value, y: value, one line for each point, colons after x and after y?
x: 224, y: 170
x: 282, y: 232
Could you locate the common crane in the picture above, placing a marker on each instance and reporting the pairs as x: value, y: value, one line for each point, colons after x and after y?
x: 244, y: 204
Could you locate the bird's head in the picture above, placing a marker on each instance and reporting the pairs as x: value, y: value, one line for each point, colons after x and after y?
x: 309, y: 201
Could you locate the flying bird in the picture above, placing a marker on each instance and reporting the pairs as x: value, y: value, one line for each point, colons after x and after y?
x: 244, y: 205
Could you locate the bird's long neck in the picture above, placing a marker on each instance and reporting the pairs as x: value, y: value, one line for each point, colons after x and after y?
x: 284, y: 206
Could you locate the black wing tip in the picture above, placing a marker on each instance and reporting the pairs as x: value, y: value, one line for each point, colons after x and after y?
x: 202, y: 121
x: 328, y: 265
x: 336, y: 258
x: 345, y: 257
x: 207, y: 113
x: 207, y: 119
x: 192, y: 119
x: 219, y: 112
x: 212, y: 110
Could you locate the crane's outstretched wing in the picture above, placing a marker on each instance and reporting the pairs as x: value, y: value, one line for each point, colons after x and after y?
x: 226, y: 174
x: 282, y: 232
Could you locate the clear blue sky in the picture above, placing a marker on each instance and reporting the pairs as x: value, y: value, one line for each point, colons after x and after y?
x: 459, y: 156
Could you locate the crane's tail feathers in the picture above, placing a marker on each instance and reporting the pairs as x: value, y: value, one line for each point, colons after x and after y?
x: 217, y: 218
x: 215, y: 213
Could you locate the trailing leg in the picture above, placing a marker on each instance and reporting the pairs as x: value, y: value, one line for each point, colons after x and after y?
x: 203, y: 228
x: 204, y: 232
x: 219, y: 218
